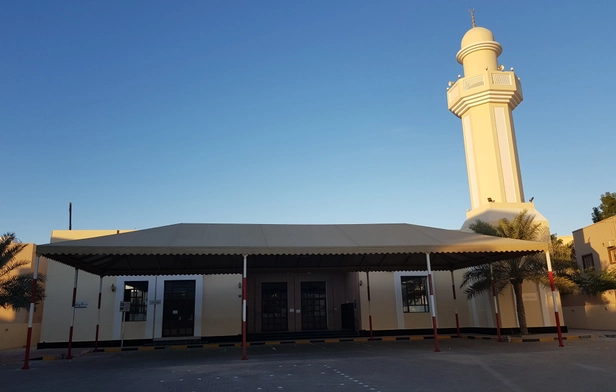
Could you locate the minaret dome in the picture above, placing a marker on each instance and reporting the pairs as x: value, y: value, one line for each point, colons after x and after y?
x: 479, y: 52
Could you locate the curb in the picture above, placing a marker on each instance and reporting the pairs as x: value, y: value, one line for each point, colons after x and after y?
x: 506, y: 339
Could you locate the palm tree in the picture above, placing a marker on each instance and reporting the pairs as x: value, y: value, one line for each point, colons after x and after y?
x: 16, y: 288
x: 513, y: 271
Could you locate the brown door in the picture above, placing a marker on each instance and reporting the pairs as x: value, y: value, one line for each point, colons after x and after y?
x: 274, y: 316
x: 179, y: 308
x: 314, y: 306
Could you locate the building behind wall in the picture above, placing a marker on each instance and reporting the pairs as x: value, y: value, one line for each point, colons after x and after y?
x: 595, y: 247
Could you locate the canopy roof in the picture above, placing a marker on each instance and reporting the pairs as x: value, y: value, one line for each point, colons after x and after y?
x: 191, y: 248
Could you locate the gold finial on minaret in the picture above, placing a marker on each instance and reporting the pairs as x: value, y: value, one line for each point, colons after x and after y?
x: 472, y: 11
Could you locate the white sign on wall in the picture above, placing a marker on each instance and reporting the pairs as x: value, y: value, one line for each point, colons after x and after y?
x: 124, y: 306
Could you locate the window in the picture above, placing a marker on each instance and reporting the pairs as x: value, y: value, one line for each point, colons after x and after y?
x: 137, y: 293
x: 612, y: 252
x: 414, y: 294
x: 587, y: 261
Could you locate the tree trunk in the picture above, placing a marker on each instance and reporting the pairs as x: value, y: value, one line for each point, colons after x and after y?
x: 519, y: 301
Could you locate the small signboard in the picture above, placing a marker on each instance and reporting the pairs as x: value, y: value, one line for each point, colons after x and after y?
x: 156, y: 302
x: 81, y: 304
x: 530, y: 297
x: 124, y: 306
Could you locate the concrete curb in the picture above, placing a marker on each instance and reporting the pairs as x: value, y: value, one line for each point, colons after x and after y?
x: 506, y: 339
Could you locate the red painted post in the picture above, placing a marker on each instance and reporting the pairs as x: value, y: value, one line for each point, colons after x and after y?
x: 498, y: 329
x: 31, y: 315
x: 455, y: 303
x: 432, y: 303
x: 98, y: 321
x: 553, y: 288
x: 70, y: 332
x: 369, y: 309
x: 244, y: 357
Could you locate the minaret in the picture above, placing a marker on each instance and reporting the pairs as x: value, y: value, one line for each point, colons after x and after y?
x: 484, y: 98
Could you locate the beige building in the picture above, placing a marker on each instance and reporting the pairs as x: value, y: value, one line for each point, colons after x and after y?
x: 326, y: 293
x: 14, y: 324
x: 595, y: 247
x: 290, y: 301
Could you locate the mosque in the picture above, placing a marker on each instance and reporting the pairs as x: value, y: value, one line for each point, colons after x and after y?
x: 215, y: 282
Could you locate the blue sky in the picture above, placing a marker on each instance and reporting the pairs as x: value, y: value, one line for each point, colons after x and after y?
x: 147, y: 113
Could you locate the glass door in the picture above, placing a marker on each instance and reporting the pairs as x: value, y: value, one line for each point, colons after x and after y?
x: 179, y: 308
x: 274, y: 315
x: 314, y: 306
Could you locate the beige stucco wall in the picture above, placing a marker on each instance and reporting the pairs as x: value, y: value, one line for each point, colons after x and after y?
x: 478, y: 312
x: 14, y: 324
x: 386, y: 309
x: 58, y: 303
x: 222, y: 305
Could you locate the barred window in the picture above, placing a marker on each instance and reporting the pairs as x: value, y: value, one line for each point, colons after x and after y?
x: 137, y: 293
x: 414, y: 294
x: 587, y: 261
x: 612, y: 252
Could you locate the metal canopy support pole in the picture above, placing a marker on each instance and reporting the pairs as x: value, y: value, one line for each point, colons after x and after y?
x: 154, y: 311
x: 70, y: 332
x: 551, y: 276
x: 244, y: 357
x: 31, y: 314
x: 455, y: 303
x: 432, y: 304
x: 98, y: 320
x: 369, y: 310
x: 498, y: 330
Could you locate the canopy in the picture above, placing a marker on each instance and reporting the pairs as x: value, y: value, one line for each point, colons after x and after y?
x: 191, y: 248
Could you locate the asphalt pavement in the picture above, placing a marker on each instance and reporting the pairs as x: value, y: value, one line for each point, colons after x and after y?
x: 462, y: 365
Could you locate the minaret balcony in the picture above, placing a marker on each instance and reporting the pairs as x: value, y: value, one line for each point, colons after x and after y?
x: 488, y: 87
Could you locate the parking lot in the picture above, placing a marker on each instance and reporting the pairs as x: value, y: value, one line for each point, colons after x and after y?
x: 462, y: 365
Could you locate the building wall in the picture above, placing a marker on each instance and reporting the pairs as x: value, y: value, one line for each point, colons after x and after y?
x: 219, y: 299
x: 586, y: 312
x: 14, y: 323
x: 58, y: 303
x: 387, y: 314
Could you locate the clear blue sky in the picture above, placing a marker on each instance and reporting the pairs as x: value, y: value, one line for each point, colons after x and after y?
x: 148, y: 113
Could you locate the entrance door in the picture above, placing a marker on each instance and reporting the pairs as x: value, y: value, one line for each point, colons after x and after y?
x: 314, y: 308
x: 179, y: 308
x: 274, y: 315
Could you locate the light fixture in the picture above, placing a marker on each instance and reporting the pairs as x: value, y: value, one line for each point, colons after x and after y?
x: 113, y: 288
x: 361, y: 282
x: 531, y: 199
x: 490, y: 200
x: 239, y: 285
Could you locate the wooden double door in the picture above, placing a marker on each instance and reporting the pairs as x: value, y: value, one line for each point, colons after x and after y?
x: 276, y: 307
